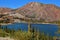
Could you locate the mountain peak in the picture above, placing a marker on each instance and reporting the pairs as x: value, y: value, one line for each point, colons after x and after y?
x: 37, y: 11
x: 34, y: 3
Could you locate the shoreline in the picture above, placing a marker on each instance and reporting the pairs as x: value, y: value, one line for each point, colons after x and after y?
x: 27, y: 23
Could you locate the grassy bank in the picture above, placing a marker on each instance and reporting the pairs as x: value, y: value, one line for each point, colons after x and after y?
x: 23, y: 35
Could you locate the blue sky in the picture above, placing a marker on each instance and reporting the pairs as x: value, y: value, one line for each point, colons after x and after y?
x: 20, y: 3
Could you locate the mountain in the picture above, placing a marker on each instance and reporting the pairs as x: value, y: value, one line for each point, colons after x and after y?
x: 5, y: 10
x: 38, y: 11
x: 34, y: 11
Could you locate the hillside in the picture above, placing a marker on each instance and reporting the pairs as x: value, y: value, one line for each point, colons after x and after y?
x: 38, y: 11
x: 32, y: 11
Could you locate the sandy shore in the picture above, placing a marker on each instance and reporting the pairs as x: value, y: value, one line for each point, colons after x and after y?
x: 6, y: 38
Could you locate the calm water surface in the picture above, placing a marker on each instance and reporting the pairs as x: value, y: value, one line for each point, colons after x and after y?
x: 50, y: 29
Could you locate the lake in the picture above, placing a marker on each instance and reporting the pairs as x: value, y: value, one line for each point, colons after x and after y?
x: 50, y: 29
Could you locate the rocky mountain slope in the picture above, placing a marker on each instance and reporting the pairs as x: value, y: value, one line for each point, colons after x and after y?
x: 34, y: 11
x: 4, y: 10
x: 39, y: 11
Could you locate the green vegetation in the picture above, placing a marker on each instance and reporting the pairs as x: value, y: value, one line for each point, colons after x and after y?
x: 55, y: 22
x: 23, y: 35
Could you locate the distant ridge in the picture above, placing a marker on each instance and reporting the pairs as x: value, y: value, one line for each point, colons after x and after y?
x: 48, y: 12
x: 36, y: 11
